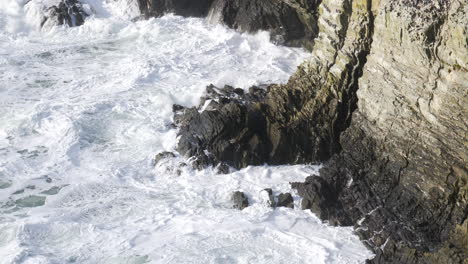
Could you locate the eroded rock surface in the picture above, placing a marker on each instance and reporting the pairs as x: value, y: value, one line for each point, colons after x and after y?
x: 384, y: 101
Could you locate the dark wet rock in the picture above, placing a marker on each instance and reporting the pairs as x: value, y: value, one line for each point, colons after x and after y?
x: 31, y: 201
x: 383, y: 102
x: 163, y: 155
x: 239, y: 200
x: 176, y: 108
x: 292, y: 22
x: 285, y: 200
x: 31, y: 187
x: 319, y: 196
x: 223, y: 168
x: 67, y: 12
x: 197, y: 8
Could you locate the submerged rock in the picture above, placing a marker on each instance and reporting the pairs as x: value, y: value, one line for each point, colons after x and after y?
x: 31, y: 201
x: 5, y: 184
x: 239, y: 200
x: 52, y: 191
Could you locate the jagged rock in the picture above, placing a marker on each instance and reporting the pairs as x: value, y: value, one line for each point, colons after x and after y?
x: 291, y: 22
x: 223, y: 168
x: 294, y: 123
x: 401, y: 176
x: 67, y: 12
x: 239, y: 200
x: 163, y: 155
x: 285, y: 200
x: 319, y: 196
x: 384, y: 100
x: 194, y: 8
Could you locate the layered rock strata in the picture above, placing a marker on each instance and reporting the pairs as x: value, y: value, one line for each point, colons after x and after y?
x: 384, y: 101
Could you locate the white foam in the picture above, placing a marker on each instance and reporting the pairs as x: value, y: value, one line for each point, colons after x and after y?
x: 87, y: 108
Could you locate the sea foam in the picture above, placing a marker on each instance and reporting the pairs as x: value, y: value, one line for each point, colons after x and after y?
x: 84, y: 110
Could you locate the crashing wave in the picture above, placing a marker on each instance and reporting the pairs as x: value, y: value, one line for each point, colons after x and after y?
x: 67, y: 12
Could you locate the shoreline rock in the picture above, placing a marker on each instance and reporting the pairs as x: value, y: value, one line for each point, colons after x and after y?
x: 290, y: 23
x: 67, y: 12
x: 383, y: 101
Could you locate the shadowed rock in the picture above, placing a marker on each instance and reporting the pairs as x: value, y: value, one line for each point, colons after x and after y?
x: 67, y: 12
x: 291, y: 22
x: 239, y: 200
x: 383, y: 101
x: 285, y: 200
x: 163, y: 155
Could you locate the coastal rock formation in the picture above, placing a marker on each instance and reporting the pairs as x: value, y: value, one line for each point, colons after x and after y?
x: 67, y: 12
x: 383, y: 101
x: 291, y: 22
x: 294, y: 123
x: 194, y: 8
x: 285, y: 200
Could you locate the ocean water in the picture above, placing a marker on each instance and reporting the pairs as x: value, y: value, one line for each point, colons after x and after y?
x: 84, y: 110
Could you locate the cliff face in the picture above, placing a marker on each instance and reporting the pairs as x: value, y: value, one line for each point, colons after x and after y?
x: 383, y: 101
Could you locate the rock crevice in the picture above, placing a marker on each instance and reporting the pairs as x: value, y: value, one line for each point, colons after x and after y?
x: 383, y: 101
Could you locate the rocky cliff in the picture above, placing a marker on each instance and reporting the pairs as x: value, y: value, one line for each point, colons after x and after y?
x: 383, y: 101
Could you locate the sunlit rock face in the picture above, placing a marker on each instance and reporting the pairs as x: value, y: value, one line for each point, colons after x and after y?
x: 383, y: 101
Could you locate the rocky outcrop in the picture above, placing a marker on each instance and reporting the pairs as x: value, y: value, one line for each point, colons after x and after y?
x: 67, y: 12
x: 285, y: 200
x: 384, y: 101
x: 290, y: 22
x: 194, y: 8
x: 294, y: 123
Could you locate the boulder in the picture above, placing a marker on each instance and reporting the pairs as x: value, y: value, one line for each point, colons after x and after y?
x: 285, y: 200
x: 239, y: 200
